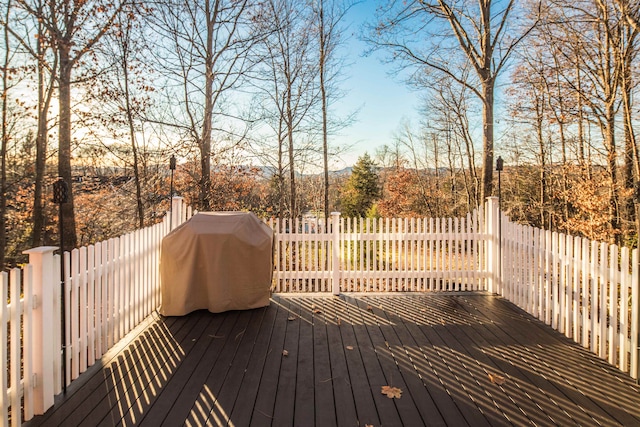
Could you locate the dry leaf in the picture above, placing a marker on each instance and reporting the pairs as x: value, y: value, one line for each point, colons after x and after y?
x: 496, y: 379
x: 291, y: 318
x: 349, y: 347
x: 339, y: 322
x: 391, y: 392
x: 285, y: 353
x: 369, y: 308
x: 317, y: 311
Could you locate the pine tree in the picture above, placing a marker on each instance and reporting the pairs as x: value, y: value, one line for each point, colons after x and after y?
x: 362, y: 188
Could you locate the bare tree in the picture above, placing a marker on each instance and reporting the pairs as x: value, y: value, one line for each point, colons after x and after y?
x: 329, y: 17
x: 204, y: 55
x: 6, y: 85
x: 74, y: 29
x: 289, y: 85
x: 482, y: 34
x: 46, y: 70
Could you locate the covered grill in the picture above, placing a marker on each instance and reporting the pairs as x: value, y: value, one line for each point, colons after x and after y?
x: 217, y: 261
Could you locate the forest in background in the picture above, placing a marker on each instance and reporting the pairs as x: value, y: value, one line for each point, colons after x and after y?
x: 102, y: 93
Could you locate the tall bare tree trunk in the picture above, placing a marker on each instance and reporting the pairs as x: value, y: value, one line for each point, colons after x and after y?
x: 323, y: 94
x: 45, y: 93
x: 292, y: 171
x: 610, y: 141
x: 64, y: 144
x: 487, y: 155
x: 132, y: 132
x: 5, y: 141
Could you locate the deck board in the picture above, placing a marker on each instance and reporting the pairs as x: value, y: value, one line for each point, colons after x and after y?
x: 439, y: 348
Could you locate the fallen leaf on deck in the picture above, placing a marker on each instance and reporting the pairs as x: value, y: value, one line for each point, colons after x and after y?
x: 285, y: 353
x: 496, y: 379
x: 339, y: 322
x: 391, y: 392
x: 369, y: 308
x: 317, y: 311
x: 349, y: 347
x: 291, y: 318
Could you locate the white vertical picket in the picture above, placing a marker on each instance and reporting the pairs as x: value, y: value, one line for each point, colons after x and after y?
x: 74, y: 306
x: 635, y: 315
x: 536, y: 282
x: 91, y: 307
x: 562, y: 283
x: 335, y: 251
x: 99, y: 308
x: 5, y: 311
x: 602, y: 301
x: 575, y: 289
x: 15, y: 278
x: 28, y: 343
x: 587, y: 277
x: 611, y: 307
x: 111, y: 291
x: 81, y: 288
x: 596, y: 257
x: 547, y: 283
x: 623, y: 337
x: 119, y: 285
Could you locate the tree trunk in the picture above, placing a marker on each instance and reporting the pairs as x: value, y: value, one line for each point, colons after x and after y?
x: 487, y: 118
x: 44, y: 100
x: 4, y: 144
x: 205, y: 140
x: 132, y: 135
x: 543, y: 162
x: 292, y: 172
x: 64, y: 145
x: 610, y: 139
x: 323, y: 94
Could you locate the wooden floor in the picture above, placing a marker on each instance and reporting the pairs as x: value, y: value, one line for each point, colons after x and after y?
x: 322, y: 360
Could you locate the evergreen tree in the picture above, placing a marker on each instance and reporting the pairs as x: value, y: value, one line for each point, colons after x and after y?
x: 362, y: 189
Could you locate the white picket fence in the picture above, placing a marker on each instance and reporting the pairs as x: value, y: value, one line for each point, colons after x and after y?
x: 110, y: 287
x: 587, y: 290
x: 380, y: 255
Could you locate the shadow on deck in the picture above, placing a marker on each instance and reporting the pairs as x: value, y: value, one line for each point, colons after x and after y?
x: 446, y: 352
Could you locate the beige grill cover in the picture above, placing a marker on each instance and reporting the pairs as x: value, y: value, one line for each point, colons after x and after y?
x: 217, y: 261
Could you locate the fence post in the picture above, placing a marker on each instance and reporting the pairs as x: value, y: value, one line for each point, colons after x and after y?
x: 335, y: 253
x: 493, y: 244
x: 44, y: 329
x: 176, y: 211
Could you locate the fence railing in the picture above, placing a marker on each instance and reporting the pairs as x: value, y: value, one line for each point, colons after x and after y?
x: 110, y: 288
x: 373, y: 255
x: 586, y: 290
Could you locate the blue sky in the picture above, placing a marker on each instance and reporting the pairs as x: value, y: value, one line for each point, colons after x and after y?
x: 384, y: 100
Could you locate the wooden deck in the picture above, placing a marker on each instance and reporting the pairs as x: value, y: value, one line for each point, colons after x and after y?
x: 441, y: 350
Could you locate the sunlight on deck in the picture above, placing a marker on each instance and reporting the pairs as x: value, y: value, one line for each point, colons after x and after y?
x: 136, y: 385
x: 201, y: 415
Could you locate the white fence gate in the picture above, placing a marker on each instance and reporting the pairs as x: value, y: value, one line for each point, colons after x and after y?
x: 375, y: 255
